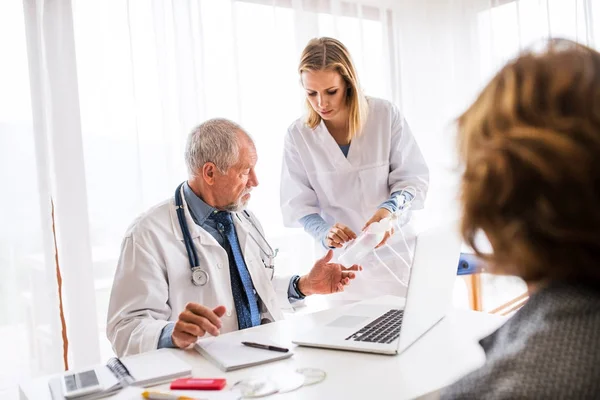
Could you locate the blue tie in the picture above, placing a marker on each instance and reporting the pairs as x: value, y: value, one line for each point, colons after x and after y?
x: 244, y: 297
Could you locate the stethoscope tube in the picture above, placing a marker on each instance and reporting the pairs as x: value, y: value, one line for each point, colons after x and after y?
x: 187, y: 238
x: 271, y: 252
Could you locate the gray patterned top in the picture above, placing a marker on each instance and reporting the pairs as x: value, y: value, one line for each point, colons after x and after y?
x: 550, y: 349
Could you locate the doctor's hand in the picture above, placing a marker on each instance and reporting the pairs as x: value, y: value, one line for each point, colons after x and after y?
x: 194, y: 322
x: 378, y: 216
x: 339, y: 234
x: 326, y: 277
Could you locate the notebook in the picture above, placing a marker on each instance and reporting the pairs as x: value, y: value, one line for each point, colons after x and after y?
x: 228, y: 353
x: 146, y: 369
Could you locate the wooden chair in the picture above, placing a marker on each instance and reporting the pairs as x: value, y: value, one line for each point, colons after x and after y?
x: 470, y: 268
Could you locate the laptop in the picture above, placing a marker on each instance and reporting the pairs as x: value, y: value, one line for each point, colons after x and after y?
x: 390, y: 324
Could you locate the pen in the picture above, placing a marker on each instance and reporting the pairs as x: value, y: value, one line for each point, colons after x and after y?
x: 165, y: 396
x: 266, y: 347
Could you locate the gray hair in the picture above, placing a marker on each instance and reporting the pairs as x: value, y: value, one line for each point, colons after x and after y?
x: 216, y: 141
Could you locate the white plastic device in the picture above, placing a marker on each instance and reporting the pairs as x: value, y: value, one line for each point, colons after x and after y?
x: 366, y: 241
x: 80, y: 383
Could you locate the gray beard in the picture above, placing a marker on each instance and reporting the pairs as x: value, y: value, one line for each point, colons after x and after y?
x: 235, y: 207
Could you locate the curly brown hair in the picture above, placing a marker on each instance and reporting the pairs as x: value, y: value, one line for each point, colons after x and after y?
x: 530, y: 148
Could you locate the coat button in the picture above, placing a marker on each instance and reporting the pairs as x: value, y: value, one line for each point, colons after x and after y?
x: 219, y: 265
x: 229, y: 313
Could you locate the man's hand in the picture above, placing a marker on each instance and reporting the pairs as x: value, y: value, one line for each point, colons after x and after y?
x: 194, y: 322
x: 378, y: 216
x: 326, y: 277
x: 339, y: 234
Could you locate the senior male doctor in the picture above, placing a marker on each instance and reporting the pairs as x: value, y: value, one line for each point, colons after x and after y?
x: 168, y: 290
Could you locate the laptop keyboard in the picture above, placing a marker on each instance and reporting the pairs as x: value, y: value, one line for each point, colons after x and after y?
x: 384, y: 329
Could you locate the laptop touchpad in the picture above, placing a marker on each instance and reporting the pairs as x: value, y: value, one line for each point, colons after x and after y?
x: 347, y: 321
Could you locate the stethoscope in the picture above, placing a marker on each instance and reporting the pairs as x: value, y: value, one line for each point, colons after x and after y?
x: 199, y: 276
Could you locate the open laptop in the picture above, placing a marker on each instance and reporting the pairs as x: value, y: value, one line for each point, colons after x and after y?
x: 389, y: 324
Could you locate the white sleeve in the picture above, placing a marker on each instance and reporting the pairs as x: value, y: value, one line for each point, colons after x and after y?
x: 138, y: 308
x: 297, y: 197
x: 281, y: 285
x: 407, y: 165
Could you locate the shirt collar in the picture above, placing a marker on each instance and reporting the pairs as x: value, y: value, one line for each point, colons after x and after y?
x: 198, y: 208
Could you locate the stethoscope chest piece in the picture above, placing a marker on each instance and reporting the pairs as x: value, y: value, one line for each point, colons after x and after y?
x: 199, y: 276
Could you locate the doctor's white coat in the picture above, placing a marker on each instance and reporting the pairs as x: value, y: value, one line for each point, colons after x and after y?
x: 318, y: 178
x: 152, y: 283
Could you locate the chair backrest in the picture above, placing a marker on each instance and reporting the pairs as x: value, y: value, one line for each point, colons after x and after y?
x: 511, y: 306
x: 469, y: 264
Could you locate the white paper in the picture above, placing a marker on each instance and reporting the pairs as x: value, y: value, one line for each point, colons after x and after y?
x: 229, y: 353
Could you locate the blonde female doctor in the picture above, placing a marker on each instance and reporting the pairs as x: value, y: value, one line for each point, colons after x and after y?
x: 346, y: 163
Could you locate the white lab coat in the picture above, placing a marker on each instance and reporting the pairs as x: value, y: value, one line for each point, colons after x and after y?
x: 318, y: 178
x: 152, y: 283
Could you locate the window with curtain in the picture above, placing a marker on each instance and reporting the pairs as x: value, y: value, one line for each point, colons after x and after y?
x: 508, y: 27
x: 30, y: 331
x: 448, y: 50
x: 144, y: 73
x: 165, y: 66
x: 94, y: 117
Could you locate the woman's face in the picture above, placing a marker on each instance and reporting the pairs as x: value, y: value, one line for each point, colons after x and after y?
x: 326, y: 92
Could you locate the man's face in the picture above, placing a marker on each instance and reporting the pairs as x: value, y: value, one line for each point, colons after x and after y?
x: 232, y: 189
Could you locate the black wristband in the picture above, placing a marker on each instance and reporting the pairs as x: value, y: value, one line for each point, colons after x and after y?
x: 295, y: 281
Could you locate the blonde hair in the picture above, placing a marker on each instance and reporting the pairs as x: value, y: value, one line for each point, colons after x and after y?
x: 530, y: 146
x: 330, y: 54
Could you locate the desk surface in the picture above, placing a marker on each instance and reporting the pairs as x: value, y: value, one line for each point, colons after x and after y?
x: 442, y: 355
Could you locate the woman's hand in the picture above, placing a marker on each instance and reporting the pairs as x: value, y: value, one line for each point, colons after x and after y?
x: 378, y: 216
x: 339, y: 234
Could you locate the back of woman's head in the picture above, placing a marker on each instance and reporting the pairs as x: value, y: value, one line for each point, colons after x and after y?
x: 326, y: 53
x: 530, y: 145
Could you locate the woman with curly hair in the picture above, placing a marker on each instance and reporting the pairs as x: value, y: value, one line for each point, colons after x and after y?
x: 530, y: 147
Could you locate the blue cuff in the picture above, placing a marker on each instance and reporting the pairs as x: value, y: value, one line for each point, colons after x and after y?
x: 293, y: 293
x: 393, y: 203
x: 316, y: 226
x: 166, y: 339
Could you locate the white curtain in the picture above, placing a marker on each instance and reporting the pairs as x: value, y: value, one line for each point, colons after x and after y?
x: 163, y: 67
x: 97, y: 98
x: 448, y: 51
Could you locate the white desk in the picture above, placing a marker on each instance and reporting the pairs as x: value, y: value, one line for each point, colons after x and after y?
x: 444, y: 354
